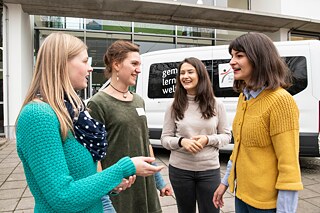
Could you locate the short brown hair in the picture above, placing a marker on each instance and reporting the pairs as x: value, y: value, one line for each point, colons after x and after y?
x: 117, y: 52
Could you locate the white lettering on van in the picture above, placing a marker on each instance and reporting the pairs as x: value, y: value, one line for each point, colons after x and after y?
x: 169, y: 90
x: 168, y: 81
x: 166, y: 73
x: 169, y: 84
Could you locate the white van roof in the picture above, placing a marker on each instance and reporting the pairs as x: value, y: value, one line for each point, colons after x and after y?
x: 223, y: 47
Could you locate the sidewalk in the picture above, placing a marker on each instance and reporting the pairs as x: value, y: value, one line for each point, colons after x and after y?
x: 15, y: 195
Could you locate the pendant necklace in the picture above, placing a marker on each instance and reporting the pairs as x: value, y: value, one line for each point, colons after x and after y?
x: 124, y: 93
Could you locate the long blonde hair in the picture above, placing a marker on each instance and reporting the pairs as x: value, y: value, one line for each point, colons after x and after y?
x: 51, y: 80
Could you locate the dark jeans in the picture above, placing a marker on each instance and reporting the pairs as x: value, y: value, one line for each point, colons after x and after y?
x: 191, y: 187
x: 242, y: 207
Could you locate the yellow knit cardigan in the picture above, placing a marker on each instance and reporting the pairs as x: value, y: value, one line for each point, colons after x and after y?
x: 266, y: 150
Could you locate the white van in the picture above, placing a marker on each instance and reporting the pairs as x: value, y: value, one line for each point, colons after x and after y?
x: 156, y: 85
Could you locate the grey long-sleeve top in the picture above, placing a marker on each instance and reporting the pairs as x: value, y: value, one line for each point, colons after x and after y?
x: 216, y: 129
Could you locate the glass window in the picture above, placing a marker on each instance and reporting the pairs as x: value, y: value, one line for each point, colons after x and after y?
x: 222, y: 42
x: 40, y: 35
x: 298, y: 68
x: 98, y: 43
x: 49, y: 21
x: 193, y: 42
x: 107, y: 25
x: 41, y: 21
x: 84, y: 94
x: 74, y: 23
x: 149, y: 28
x: 162, y: 80
x: 98, y: 79
x: 93, y: 24
x: 299, y: 37
x: 1, y: 31
x: 239, y: 4
x: 153, y: 43
x: 195, y: 31
x: 1, y: 119
x: 222, y: 78
x: 1, y: 59
x: 59, y: 22
x: 228, y: 35
x: 162, y: 77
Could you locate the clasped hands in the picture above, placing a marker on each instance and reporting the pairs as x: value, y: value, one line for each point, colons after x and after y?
x: 195, y: 144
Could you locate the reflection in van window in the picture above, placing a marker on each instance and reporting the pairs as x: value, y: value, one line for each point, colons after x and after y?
x: 162, y: 77
x: 298, y: 67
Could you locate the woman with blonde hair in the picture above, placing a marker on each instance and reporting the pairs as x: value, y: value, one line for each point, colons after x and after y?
x: 58, y: 142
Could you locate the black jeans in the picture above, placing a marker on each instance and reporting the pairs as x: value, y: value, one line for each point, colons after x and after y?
x: 194, y: 186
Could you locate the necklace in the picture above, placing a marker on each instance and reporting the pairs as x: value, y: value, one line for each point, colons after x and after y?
x: 124, y: 93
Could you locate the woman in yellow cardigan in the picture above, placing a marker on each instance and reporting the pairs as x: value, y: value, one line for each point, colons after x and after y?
x: 264, y: 168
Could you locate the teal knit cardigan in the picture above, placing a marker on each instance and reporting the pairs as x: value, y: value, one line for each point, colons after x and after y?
x: 61, y: 175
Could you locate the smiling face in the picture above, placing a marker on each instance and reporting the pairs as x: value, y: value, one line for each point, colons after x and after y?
x: 241, y: 66
x: 79, y: 68
x: 189, y: 78
x: 129, y: 68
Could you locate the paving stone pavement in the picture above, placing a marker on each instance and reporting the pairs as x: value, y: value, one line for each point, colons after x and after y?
x: 15, y: 196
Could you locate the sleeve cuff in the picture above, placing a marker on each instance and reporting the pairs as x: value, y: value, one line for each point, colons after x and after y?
x: 224, y: 180
x: 127, y: 166
x: 160, y: 183
x: 179, y: 141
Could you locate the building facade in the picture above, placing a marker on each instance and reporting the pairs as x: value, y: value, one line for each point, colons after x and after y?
x: 23, y: 33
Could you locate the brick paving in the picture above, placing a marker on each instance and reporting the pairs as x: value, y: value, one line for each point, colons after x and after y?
x: 15, y: 195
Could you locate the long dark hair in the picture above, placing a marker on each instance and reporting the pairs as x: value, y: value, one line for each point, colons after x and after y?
x: 205, y: 96
x: 269, y: 69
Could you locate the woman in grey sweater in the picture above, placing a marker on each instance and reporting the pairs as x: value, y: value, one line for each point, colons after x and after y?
x: 195, y: 127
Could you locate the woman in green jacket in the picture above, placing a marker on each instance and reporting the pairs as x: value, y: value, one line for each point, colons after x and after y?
x: 58, y: 142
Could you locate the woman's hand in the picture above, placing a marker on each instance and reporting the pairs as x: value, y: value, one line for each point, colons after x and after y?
x: 166, y: 191
x: 218, y: 196
x: 125, y: 184
x: 191, y: 145
x: 202, y: 139
x: 143, y: 166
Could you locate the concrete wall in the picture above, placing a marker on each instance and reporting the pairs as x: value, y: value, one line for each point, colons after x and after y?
x: 298, y: 8
x: 305, y: 9
x: 270, y: 6
x: 18, y: 32
x: 274, y: 7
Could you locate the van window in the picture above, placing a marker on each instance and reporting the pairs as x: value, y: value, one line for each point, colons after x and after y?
x: 162, y: 77
x: 298, y: 68
x: 222, y: 79
x: 162, y: 80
